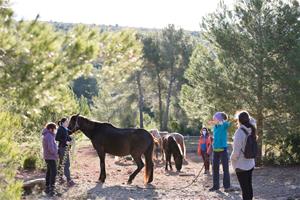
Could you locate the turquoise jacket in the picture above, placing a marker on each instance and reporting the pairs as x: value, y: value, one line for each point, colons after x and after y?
x: 220, y: 135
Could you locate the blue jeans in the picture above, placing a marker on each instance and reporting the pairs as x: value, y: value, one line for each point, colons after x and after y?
x: 64, y: 161
x: 223, y: 156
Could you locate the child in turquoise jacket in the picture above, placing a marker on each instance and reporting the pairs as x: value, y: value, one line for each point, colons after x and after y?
x: 220, y: 134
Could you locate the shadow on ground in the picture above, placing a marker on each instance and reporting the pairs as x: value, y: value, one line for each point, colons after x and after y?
x: 122, y: 192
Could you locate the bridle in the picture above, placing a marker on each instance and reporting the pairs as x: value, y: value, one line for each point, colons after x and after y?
x: 76, y: 125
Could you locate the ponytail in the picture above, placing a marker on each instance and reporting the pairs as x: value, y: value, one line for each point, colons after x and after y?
x: 253, y: 129
x: 244, y: 119
x: 62, y: 121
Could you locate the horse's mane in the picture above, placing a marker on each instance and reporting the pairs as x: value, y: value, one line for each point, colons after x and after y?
x: 178, y: 146
x: 96, y: 122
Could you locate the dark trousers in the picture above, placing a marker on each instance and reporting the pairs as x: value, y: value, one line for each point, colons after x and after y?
x: 50, y: 174
x: 205, y: 157
x: 223, y: 156
x: 64, y: 163
x: 245, y: 180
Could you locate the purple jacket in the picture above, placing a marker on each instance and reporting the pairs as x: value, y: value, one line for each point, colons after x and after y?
x: 49, y: 145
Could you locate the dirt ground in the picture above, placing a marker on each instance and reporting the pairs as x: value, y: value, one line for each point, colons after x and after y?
x: 268, y: 182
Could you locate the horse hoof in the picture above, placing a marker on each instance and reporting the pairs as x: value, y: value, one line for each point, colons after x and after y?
x: 129, y: 182
x: 100, y: 181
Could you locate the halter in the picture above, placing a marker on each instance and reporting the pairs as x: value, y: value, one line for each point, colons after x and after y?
x: 76, y: 125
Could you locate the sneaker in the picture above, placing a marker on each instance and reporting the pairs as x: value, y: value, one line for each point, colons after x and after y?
x: 213, y: 189
x: 71, y: 183
x: 230, y: 189
x: 54, y: 193
x: 47, y: 190
x: 51, y: 193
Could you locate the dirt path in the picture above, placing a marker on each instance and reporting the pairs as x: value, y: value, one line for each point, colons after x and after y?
x: 269, y: 183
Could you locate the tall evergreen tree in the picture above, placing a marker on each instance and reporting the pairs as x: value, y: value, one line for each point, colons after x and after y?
x: 249, y: 63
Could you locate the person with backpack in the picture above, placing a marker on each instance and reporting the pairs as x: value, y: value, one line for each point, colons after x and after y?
x: 204, y: 148
x: 244, y: 152
x: 50, y: 157
x: 64, y: 140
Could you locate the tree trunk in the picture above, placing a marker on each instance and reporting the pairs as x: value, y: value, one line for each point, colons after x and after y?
x: 30, y: 185
x: 141, y: 98
x: 260, y: 93
x: 159, y: 98
x: 168, y: 100
x: 259, y: 122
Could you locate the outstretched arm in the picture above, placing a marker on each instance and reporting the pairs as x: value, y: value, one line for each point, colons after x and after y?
x: 212, y: 122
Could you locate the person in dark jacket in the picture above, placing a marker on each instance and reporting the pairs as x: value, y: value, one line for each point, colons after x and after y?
x: 64, y: 140
x: 50, y: 156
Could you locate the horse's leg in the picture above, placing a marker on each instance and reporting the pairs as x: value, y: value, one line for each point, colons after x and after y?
x: 161, y: 149
x: 101, y: 155
x: 168, y: 160
x: 162, y: 154
x: 157, y: 153
x: 140, y: 165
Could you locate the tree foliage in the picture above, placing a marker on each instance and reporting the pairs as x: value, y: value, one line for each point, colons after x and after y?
x: 118, y: 98
x: 249, y: 62
x: 10, y: 127
x: 166, y: 56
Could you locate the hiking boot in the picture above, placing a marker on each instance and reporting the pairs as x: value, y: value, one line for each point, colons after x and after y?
x: 71, y: 183
x: 50, y: 192
x: 213, y: 189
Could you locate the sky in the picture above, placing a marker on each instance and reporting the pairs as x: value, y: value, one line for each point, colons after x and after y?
x: 186, y: 14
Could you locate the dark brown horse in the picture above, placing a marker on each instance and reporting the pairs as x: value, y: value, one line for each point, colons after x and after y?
x: 119, y: 142
x: 171, y: 147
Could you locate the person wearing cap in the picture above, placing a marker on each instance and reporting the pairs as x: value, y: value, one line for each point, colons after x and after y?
x: 220, y: 129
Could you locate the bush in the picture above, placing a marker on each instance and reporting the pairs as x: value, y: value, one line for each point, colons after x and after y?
x: 283, y: 151
x: 9, y: 126
x: 30, y: 163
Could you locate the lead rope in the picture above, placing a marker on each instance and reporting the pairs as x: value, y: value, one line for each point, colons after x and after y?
x: 180, y: 188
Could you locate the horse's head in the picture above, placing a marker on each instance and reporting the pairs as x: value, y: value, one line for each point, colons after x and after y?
x: 177, y: 153
x: 73, y: 124
x: 178, y: 158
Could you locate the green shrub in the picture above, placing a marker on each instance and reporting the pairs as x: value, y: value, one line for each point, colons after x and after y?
x: 30, y: 163
x: 9, y: 156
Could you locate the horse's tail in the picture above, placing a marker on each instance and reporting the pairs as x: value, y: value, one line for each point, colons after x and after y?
x: 148, y: 178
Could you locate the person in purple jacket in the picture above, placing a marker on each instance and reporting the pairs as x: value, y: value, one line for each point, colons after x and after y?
x: 50, y: 155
